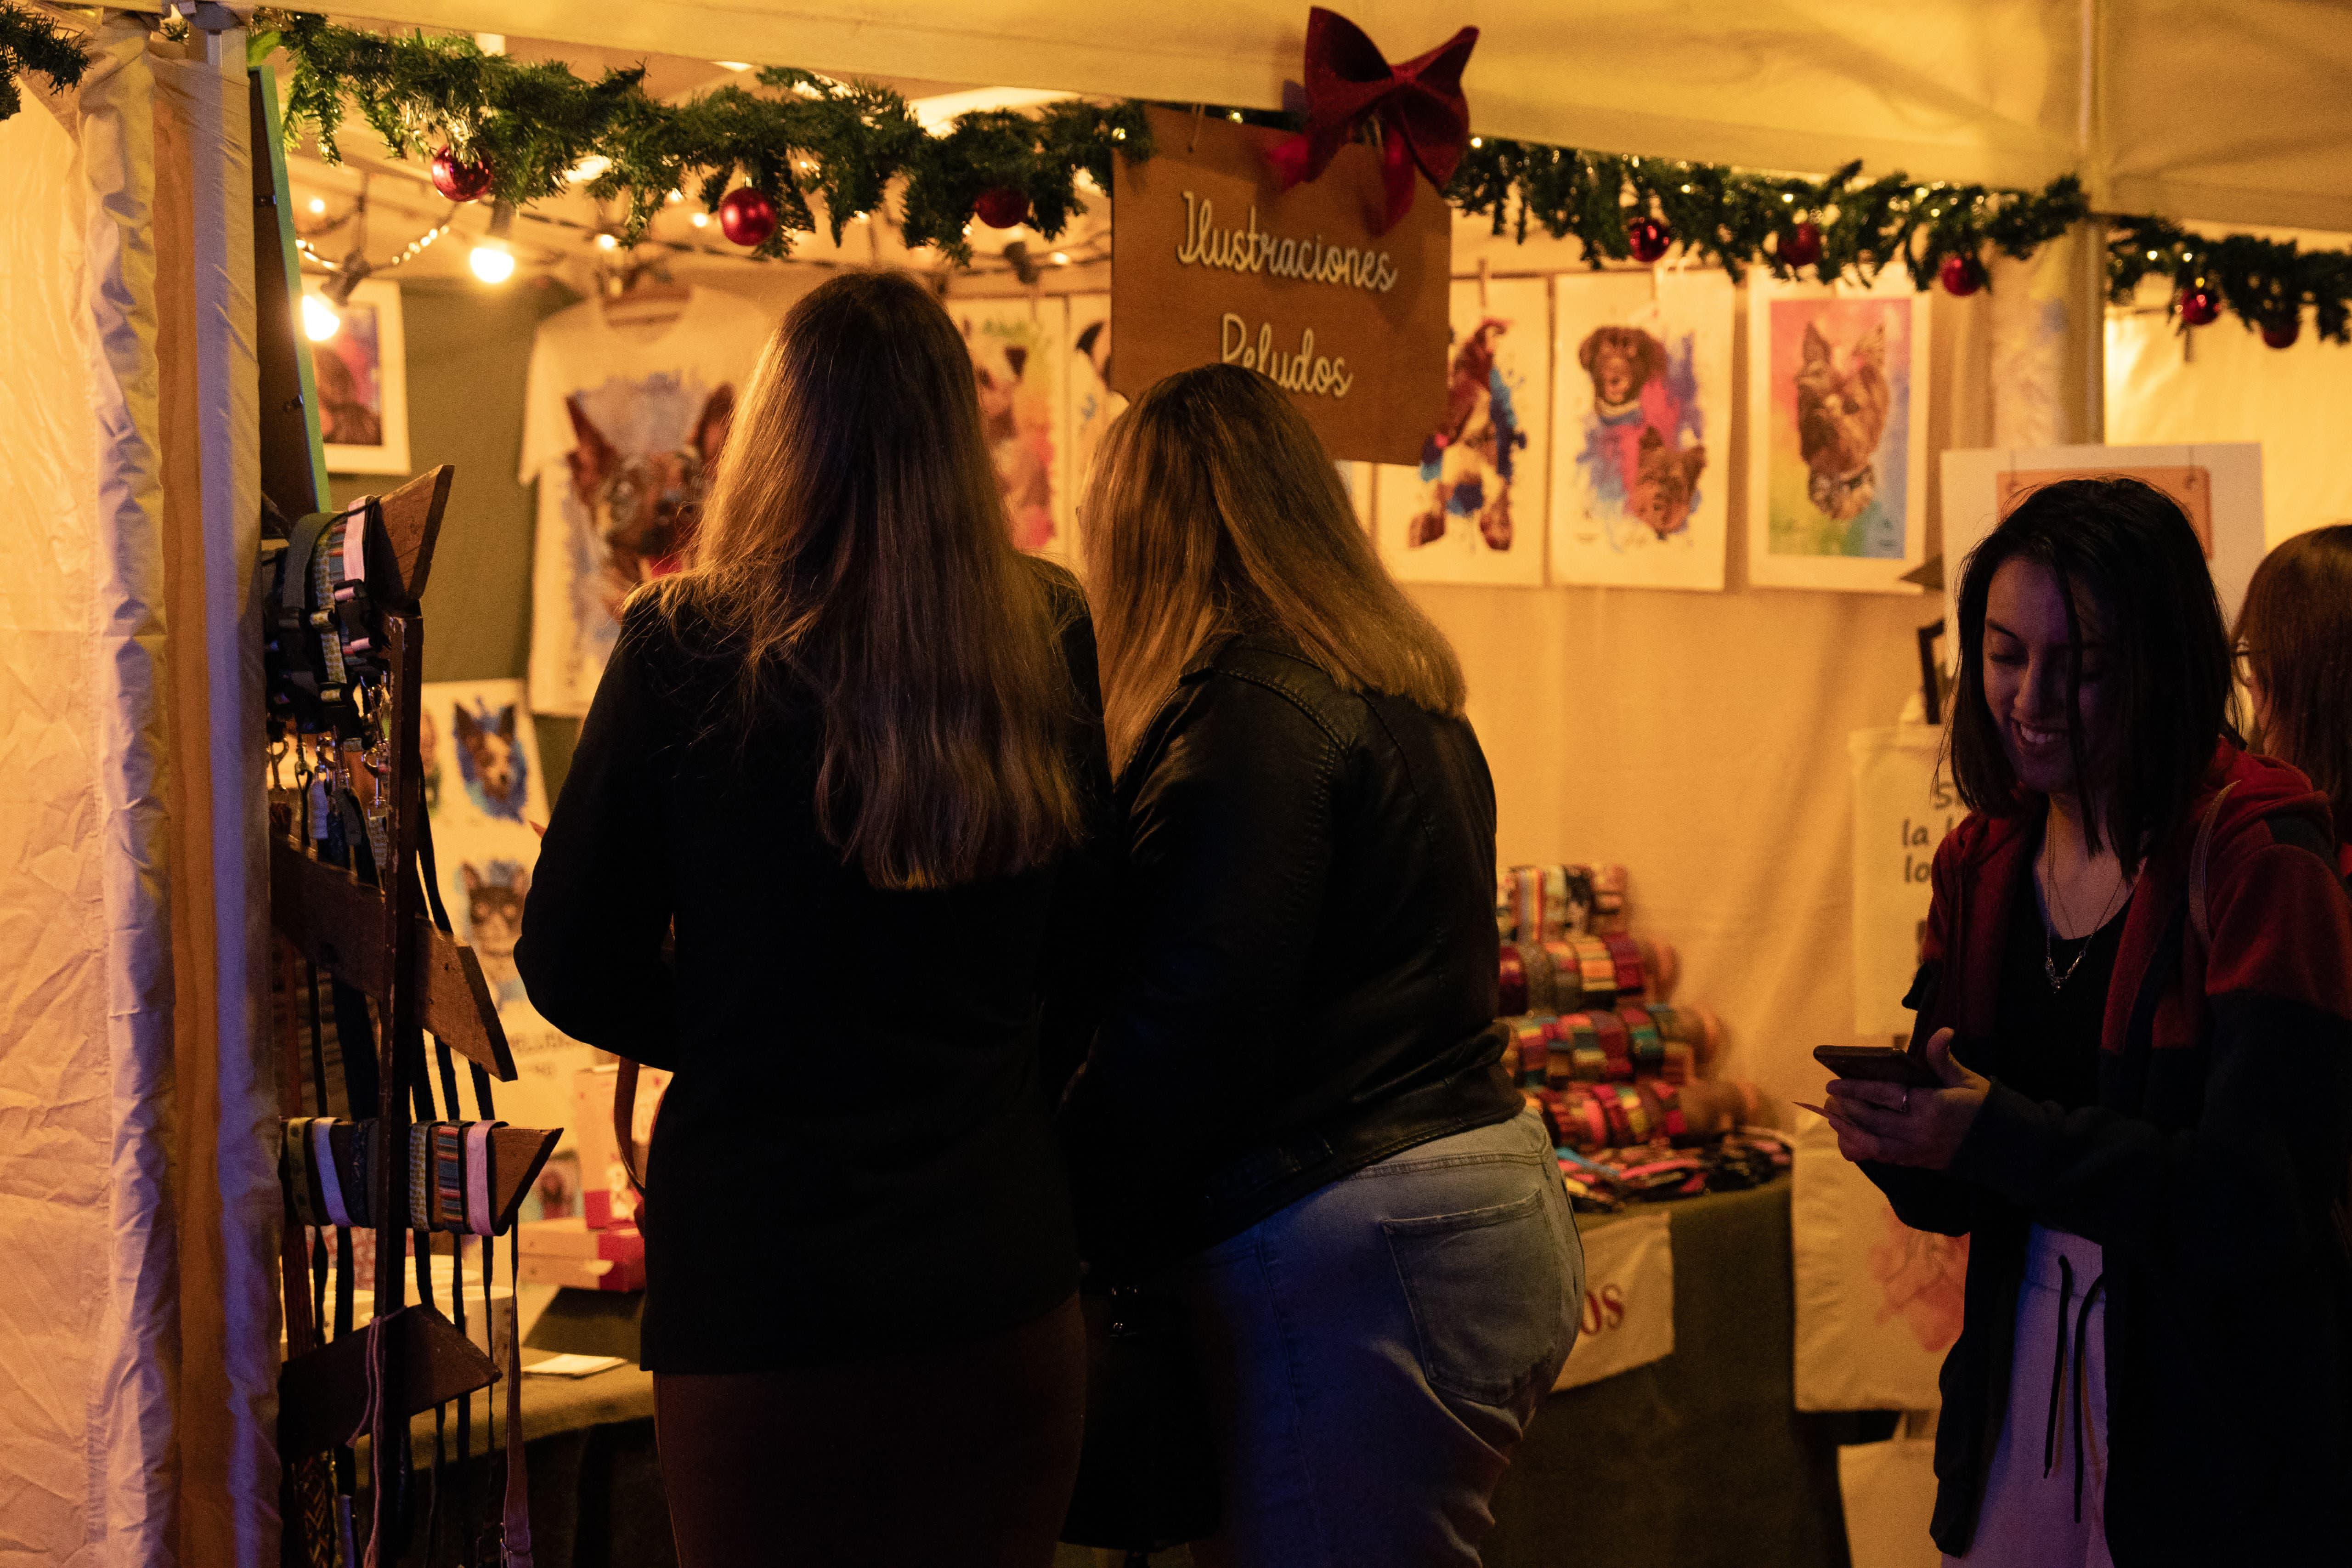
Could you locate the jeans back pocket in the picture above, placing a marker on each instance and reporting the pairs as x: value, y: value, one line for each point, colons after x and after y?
x: 1488, y: 1293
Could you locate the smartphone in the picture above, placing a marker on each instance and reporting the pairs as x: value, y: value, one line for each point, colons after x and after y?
x: 1880, y: 1064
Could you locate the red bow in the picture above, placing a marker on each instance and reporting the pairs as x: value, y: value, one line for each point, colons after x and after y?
x: 1423, y: 116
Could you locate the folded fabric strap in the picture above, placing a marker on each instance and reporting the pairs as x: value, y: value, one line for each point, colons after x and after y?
x: 420, y: 1170
x: 331, y: 1181
x: 1625, y: 955
x: 294, y: 1170
x: 478, y: 1154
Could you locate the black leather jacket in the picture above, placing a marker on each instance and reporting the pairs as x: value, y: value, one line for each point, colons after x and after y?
x: 1307, y: 982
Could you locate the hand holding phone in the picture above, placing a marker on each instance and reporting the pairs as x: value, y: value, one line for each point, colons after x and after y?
x: 1877, y: 1064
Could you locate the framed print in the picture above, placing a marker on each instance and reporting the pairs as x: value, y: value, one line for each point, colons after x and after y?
x: 1640, y: 492
x: 1837, y: 420
x: 1019, y: 363
x: 1473, y: 510
x: 359, y: 361
x: 2218, y: 486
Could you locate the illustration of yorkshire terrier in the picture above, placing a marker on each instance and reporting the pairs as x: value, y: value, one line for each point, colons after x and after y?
x: 1467, y: 462
x: 643, y: 505
x: 1665, y: 479
x: 1842, y: 407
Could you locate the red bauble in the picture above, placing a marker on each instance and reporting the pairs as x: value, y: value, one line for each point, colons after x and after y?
x: 1962, y: 274
x: 2282, y: 333
x: 1800, y: 245
x: 1648, y: 239
x: 2199, y: 306
x: 461, y: 179
x: 1003, y: 206
x: 746, y: 217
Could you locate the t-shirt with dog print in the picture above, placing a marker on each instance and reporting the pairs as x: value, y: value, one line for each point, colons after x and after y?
x: 620, y: 427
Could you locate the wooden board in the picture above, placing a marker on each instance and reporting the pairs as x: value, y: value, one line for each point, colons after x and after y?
x: 322, y: 1396
x: 1213, y: 265
x: 412, y: 525
x: 333, y: 919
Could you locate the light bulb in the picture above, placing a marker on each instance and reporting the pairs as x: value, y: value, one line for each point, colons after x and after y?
x: 318, y: 205
x: 320, y: 321
x: 1060, y: 258
x: 492, y: 263
x: 700, y: 220
x: 606, y: 242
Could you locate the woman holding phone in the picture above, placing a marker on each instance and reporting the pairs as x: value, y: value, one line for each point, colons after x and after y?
x: 2135, y: 997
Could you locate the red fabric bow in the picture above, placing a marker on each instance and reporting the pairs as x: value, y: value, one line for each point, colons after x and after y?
x: 1423, y: 116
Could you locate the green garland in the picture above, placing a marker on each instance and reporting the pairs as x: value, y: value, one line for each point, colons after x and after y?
x: 807, y: 142
x: 2265, y: 283
x: 29, y: 43
x: 841, y: 143
x: 1735, y: 220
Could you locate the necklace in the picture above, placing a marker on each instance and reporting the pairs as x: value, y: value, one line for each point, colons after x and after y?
x: 2049, y: 928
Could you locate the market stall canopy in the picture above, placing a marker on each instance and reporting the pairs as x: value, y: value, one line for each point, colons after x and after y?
x: 2236, y: 113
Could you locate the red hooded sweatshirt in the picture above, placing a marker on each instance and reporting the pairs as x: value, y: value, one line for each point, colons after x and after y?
x: 2213, y: 1170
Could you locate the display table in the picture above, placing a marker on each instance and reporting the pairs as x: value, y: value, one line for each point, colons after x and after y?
x: 1698, y: 1459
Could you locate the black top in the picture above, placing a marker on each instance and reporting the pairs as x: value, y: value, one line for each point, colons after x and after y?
x: 1310, y: 980
x: 2045, y: 1044
x: 856, y: 1151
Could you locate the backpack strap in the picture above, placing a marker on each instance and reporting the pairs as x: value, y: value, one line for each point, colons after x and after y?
x: 2200, y: 920
x: 624, y: 1117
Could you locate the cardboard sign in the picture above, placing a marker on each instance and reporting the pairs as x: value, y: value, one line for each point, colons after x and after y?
x: 1902, y: 806
x: 1214, y: 264
x: 1629, y: 1299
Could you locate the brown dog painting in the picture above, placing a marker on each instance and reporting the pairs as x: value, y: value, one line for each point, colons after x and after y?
x: 1621, y: 360
x: 1842, y: 398
x: 642, y: 505
x: 1665, y: 480
x: 1468, y: 463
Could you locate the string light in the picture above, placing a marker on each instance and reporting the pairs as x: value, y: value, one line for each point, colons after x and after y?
x: 492, y: 260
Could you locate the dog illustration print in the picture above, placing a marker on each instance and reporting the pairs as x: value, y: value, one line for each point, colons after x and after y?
x: 494, y: 896
x: 1022, y: 451
x: 1466, y: 464
x: 497, y: 772
x: 1841, y: 406
x: 642, y: 505
x: 1665, y: 481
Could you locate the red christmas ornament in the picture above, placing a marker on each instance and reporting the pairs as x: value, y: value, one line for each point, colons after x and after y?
x: 2199, y: 306
x: 1962, y: 274
x: 1800, y: 245
x: 2281, y: 333
x: 1648, y: 239
x: 746, y: 217
x: 1003, y: 206
x: 461, y: 179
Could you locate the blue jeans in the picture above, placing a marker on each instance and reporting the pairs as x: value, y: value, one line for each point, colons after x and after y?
x: 1373, y: 1352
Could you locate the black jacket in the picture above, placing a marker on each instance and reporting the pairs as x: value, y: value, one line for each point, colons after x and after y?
x: 857, y: 1154
x: 2211, y: 1171
x: 1307, y: 982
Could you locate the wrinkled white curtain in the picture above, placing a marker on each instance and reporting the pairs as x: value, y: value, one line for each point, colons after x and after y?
x: 137, y: 1205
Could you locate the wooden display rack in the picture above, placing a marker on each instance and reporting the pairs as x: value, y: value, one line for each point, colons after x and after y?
x: 375, y: 937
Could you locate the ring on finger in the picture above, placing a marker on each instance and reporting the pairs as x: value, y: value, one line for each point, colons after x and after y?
x: 1905, y: 1106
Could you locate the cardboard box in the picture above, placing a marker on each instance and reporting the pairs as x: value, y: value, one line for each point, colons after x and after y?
x: 575, y: 1240
x: 605, y: 1198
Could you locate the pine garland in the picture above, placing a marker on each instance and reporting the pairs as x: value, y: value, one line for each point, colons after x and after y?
x: 29, y: 43
x: 2265, y: 283
x: 807, y: 142
x: 1735, y: 220
x: 810, y: 137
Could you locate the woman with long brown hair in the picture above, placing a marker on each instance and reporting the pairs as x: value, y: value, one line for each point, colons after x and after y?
x: 843, y: 757
x: 1293, y: 1110
x: 2294, y: 643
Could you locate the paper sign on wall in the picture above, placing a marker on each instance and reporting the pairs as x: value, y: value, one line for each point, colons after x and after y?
x: 1629, y: 1299
x: 1902, y: 806
x: 1215, y: 263
x: 486, y: 797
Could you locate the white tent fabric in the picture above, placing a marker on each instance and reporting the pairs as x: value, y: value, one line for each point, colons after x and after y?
x: 136, y: 1384
x: 2237, y: 112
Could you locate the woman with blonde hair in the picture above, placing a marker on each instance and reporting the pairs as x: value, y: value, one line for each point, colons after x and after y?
x: 1294, y: 1107
x: 844, y: 758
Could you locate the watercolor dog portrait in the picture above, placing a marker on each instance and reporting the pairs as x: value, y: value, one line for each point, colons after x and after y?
x: 1837, y: 399
x: 1472, y: 510
x: 1641, y: 435
x: 1016, y: 354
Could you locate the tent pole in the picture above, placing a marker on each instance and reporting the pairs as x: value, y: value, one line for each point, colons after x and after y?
x: 2091, y: 276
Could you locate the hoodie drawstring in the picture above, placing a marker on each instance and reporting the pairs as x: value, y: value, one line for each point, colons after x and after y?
x: 2058, y: 1376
